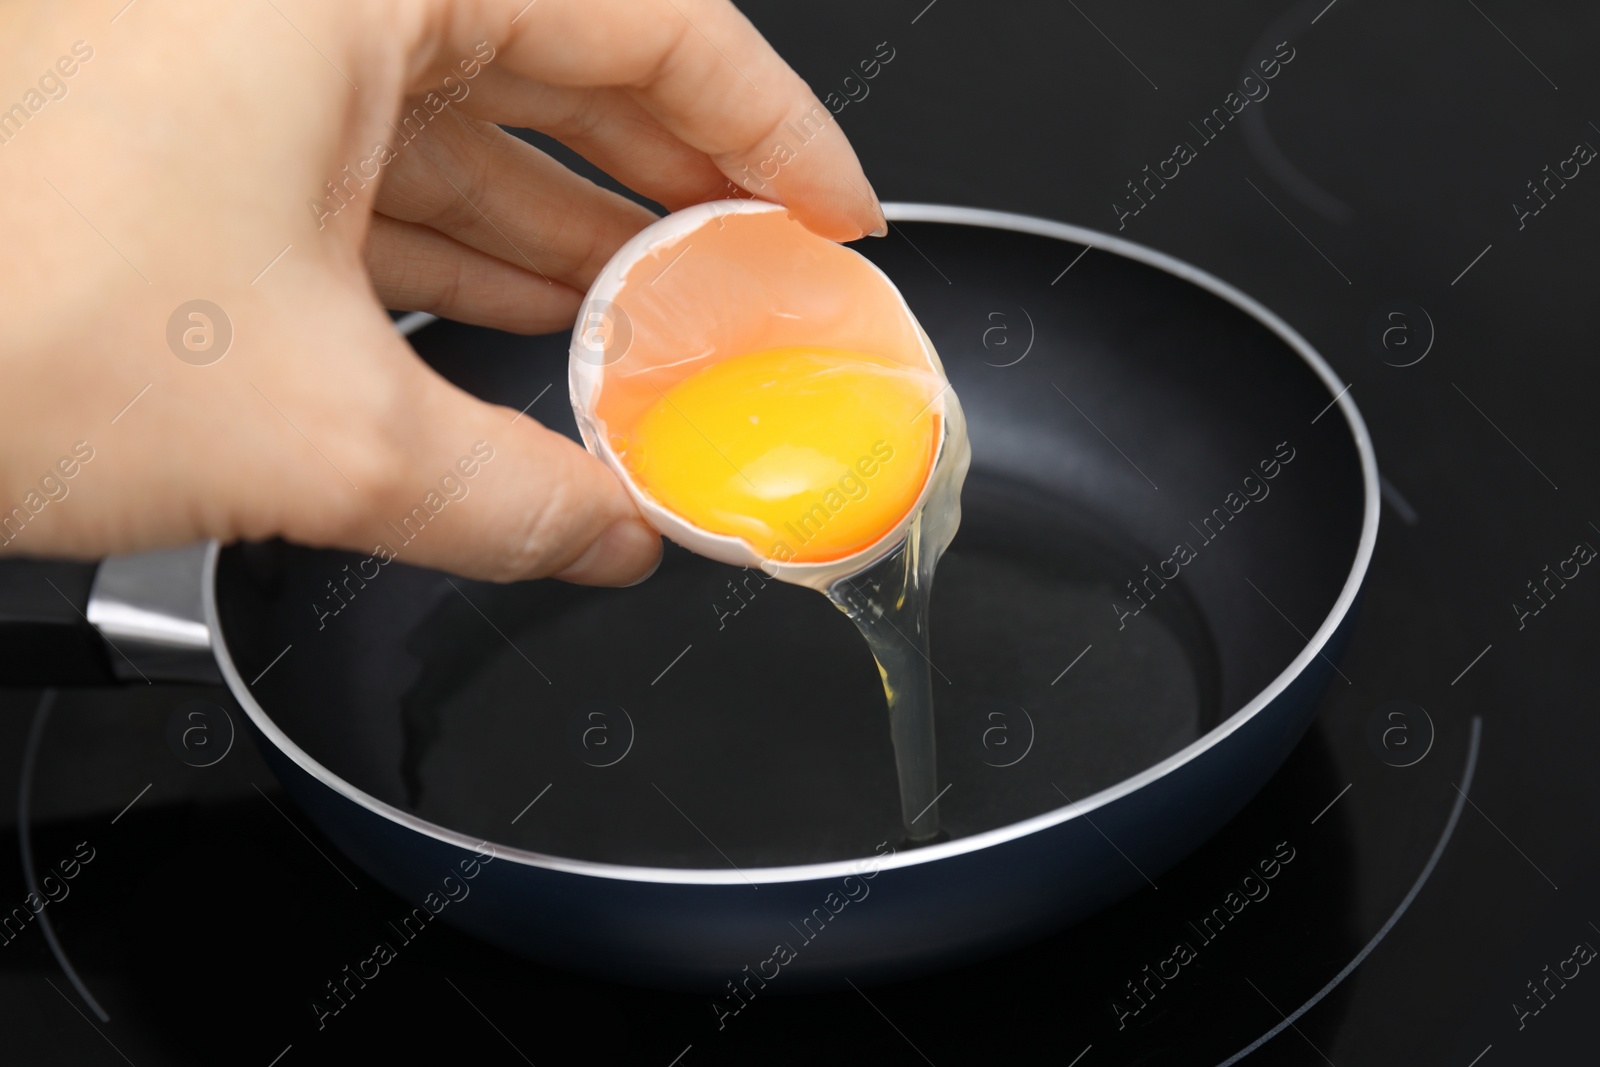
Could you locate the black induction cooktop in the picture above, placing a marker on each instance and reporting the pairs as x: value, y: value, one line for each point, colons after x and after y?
x: 1407, y: 189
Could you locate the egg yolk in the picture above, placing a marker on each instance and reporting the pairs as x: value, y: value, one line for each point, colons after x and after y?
x: 807, y: 454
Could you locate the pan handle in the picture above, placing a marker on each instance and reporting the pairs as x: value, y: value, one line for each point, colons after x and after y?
x: 45, y: 634
x: 126, y: 618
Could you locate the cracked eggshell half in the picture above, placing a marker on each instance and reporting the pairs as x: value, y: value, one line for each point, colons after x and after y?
x: 723, y: 279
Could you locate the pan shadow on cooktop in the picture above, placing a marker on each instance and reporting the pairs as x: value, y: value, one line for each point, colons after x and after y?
x: 712, y: 715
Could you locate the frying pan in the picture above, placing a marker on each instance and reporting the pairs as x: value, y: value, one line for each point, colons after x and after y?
x: 1171, y: 510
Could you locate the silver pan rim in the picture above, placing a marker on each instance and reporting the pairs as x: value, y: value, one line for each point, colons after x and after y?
x: 836, y: 869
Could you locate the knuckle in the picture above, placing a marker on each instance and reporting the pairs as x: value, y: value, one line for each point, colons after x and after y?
x: 449, y: 288
x: 536, y: 548
x: 548, y: 536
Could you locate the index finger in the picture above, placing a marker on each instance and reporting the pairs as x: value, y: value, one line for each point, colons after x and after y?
x: 706, y: 74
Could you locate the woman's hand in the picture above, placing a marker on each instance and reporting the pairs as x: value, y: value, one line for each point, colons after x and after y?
x: 299, y: 165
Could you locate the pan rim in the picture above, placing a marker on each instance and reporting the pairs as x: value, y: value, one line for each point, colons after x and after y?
x: 835, y: 869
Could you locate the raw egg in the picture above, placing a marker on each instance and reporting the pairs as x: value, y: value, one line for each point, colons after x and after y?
x: 805, y: 452
x: 765, y: 394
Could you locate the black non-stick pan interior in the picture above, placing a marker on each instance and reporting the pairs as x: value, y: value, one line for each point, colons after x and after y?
x: 712, y: 716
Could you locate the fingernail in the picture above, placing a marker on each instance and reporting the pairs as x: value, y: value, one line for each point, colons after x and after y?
x: 618, y: 551
x: 881, y: 231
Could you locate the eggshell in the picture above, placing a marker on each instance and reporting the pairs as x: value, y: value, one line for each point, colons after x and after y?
x: 722, y: 279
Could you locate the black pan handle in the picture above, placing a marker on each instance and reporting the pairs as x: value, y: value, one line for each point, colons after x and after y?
x: 45, y: 634
x: 137, y: 618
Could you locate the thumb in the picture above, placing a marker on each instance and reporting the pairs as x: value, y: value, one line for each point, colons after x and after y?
x: 486, y: 492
